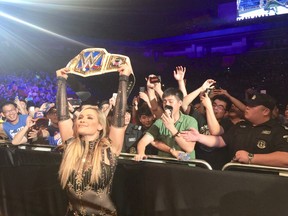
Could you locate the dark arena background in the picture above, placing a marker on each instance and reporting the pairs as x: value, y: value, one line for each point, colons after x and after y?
x: 241, y: 44
x: 38, y: 37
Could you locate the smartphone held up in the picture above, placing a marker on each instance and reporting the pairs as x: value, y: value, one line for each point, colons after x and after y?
x: 75, y: 102
x: 155, y: 79
x: 169, y: 110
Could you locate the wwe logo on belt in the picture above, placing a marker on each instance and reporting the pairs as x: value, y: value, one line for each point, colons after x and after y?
x: 90, y: 60
x: 95, y: 61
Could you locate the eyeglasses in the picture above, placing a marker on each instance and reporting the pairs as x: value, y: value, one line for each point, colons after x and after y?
x: 219, y: 107
x: 9, y: 111
x: 52, y: 113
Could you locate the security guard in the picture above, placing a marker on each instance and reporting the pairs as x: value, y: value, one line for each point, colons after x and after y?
x: 265, y: 138
x: 258, y: 140
x: 132, y: 134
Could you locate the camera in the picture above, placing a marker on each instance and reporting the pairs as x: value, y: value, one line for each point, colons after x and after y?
x: 155, y: 79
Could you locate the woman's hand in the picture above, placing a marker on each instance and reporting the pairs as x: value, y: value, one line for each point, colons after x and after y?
x: 125, y: 69
x: 63, y: 72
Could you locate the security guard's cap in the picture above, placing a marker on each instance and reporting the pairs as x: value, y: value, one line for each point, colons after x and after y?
x: 261, y: 99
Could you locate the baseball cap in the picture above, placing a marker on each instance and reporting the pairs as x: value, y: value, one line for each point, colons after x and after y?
x: 38, y: 115
x: 51, y: 110
x: 261, y: 99
x: 40, y: 120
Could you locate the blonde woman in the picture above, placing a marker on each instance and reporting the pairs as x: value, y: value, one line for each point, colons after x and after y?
x: 89, y: 159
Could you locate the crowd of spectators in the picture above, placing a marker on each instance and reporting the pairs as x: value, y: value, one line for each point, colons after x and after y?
x: 239, y: 75
x: 265, y: 70
x: 33, y: 87
x: 260, y: 70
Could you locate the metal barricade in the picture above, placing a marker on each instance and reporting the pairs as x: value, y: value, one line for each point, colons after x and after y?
x: 164, y: 160
x: 281, y: 171
x: 35, y: 147
x: 122, y: 156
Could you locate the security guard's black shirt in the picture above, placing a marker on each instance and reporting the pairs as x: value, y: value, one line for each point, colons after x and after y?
x: 261, y: 139
x: 132, y: 135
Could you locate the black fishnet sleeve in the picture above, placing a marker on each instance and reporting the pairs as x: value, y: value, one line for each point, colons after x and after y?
x: 61, y: 99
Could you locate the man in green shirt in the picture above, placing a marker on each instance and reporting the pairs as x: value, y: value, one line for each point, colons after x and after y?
x: 163, y: 134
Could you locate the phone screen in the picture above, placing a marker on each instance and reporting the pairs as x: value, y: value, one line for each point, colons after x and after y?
x: 169, y: 109
x: 114, y: 95
x: 75, y: 102
x: 155, y: 79
x: 142, y: 89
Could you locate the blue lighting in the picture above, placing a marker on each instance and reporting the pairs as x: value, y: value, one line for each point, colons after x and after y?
x: 15, y: 19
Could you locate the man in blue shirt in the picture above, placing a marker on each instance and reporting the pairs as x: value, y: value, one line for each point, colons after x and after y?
x: 15, y: 123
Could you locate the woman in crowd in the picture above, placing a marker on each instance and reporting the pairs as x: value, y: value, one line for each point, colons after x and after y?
x: 89, y: 159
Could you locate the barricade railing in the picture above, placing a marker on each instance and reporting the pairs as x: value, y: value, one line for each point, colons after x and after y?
x: 36, y: 147
x: 123, y: 156
x: 281, y: 171
x: 158, y: 159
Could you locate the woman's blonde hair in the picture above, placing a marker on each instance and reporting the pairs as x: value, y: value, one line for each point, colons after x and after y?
x: 75, y: 150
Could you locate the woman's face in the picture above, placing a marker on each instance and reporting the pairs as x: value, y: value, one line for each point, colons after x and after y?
x: 87, y: 123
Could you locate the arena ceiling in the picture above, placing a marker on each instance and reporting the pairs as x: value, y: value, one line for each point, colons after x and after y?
x: 130, y: 20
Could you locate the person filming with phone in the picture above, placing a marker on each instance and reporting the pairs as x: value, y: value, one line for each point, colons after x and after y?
x: 164, y: 133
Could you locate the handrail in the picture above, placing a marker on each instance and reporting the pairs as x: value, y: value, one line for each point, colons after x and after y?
x: 158, y: 159
x: 36, y: 147
x: 233, y: 166
x: 123, y: 156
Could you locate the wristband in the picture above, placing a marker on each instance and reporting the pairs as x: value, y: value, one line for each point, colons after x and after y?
x: 73, y: 111
x: 123, y: 78
x: 171, y: 150
x: 176, y: 134
x: 61, y: 78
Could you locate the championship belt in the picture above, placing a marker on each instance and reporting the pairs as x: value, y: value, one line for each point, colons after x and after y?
x: 97, y: 61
